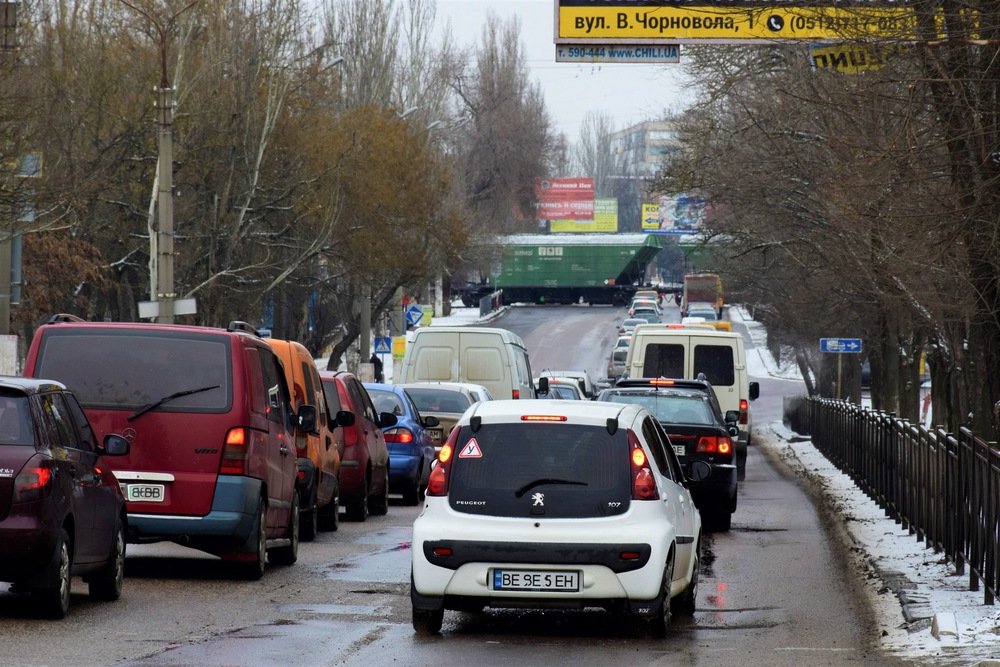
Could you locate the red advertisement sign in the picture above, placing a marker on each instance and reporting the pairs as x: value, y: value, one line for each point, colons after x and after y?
x: 565, y: 199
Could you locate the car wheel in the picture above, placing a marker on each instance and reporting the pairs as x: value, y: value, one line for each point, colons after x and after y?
x: 686, y: 601
x: 357, y: 508
x: 107, y: 583
x: 657, y: 625
x: 54, y: 600
x: 254, y: 569
x: 427, y: 622
x: 309, y: 518
x: 411, y: 496
x: 720, y: 520
x: 328, y: 516
x: 379, y: 504
x: 287, y: 555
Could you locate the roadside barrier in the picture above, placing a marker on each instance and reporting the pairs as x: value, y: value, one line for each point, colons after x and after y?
x: 943, y: 488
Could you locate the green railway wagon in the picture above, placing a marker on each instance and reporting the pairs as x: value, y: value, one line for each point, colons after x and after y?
x: 573, y: 268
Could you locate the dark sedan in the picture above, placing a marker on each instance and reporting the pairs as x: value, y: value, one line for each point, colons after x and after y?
x: 411, y: 449
x: 61, y: 513
x: 690, y: 415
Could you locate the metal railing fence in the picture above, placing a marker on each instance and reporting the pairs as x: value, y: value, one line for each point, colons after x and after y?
x: 943, y: 488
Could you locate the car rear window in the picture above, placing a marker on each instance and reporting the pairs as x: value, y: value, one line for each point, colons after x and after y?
x: 130, y: 369
x: 386, y: 401
x: 666, y: 407
x: 553, y: 470
x: 15, y: 421
x: 438, y: 400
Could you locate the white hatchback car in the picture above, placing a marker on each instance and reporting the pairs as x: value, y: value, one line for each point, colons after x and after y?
x: 556, y: 504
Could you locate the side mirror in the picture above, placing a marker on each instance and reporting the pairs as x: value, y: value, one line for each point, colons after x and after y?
x: 115, y: 445
x: 344, y: 418
x: 732, y: 416
x: 430, y: 421
x: 734, y: 430
x: 387, y: 419
x: 306, y: 419
x: 754, y: 390
x: 543, y: 385
x: 699, y: 471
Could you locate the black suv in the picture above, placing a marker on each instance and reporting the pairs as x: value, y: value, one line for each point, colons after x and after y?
x: 61, y: 514
x: 689, y: 413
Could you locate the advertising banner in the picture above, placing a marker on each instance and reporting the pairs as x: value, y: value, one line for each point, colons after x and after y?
x: 677, y: 214
x: 565, y: 199
x: 605, y: 219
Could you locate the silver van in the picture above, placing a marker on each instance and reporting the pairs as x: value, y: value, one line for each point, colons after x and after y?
x: 495, y: 358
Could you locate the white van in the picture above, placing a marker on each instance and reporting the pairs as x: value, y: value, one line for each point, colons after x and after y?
x: 677, y: 351
x: 494, y: 358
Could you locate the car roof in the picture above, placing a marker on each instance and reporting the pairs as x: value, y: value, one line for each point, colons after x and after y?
x: 449, y: 386
x: 576, y: 412
x: 29, y: 385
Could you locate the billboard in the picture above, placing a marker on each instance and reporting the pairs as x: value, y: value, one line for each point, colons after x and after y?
x: 853, y: 58
x: 605, y: 219
x: 641, y: 21
x: 676, y: 214
x: 565, y: 199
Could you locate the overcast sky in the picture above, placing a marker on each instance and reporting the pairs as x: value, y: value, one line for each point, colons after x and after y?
x: 628, y: 93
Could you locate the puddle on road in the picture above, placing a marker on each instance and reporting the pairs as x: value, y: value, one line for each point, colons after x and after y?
x: 390, y: 564
x: 331, y: 609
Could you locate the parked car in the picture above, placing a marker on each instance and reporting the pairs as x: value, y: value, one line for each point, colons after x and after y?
x: 556, y: 504
x: 564, y: 389
x: 208, y: 415
x: 628, y: 325
x: 411, y: 449
x: 62, y: 513
x: 318, y: 450
x: 446, y: 401
x: 697, y: 430
x: 364, y: 459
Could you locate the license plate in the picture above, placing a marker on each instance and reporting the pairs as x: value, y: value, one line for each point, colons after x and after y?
x: 565, y: 581
x: 678, y: 450
x: 435, y: 434
x: 144, y: 493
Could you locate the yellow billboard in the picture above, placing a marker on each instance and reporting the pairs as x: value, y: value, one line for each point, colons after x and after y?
x: 611, y: 21
x: 853, y: 58
x: 605, y: 219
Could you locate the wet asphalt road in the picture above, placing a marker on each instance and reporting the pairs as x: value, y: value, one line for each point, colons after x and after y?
x: 775, y: 590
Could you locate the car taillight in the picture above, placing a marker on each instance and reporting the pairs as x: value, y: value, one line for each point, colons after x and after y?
x: 437, y: 482
x: 33, y: 482
x: 351, y: 435
x: 234, y: 453
x: 744, y: 410
x: 643, y: 483
x: 714, y: 444
x: 399, y: 435
x: 515, y: 394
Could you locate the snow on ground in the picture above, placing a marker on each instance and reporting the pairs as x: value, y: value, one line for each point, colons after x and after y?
x: 932, y: 590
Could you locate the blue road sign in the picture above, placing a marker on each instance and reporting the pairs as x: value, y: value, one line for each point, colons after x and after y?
x: 846, y: 345
x: 383, y: 345
x: 414, y: 314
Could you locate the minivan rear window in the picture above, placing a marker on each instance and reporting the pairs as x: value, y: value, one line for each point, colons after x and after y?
x: 126, y: 370
x: 716, y: 362
x: 552, y: 470
x: 663, y: 360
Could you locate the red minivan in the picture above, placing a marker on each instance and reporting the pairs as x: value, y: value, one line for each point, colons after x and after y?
x: 207, y: 412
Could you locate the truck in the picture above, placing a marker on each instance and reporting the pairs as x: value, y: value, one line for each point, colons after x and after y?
x: 702, y: 288
x: 568, y: 268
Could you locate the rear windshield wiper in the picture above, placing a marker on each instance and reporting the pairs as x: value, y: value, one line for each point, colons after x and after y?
x: 545, y: 480
x: 177, y: 394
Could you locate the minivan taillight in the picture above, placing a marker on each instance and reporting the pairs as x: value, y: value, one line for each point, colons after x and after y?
x: 437, y: 482
x: 515, y: 394
x: 33, y: 482
x: 643, y: 483
x: 234, y: 453
x: 744, y: 410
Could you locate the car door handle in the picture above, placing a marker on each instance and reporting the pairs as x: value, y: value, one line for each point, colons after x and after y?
x: 283, y: 450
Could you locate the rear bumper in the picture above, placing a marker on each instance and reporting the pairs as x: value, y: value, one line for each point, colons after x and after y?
x: 718, y: 490
x: 26, y: 546
x: 231, y: 518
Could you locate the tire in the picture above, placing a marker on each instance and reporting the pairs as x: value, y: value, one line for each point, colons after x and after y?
x: 379, y: 505
x: 328, y: 516
x: 357, y: 508
x: 289, y: 554
x: 720, y: 520
x: 309, y: 518
x: 254, y: 570
x: 53, y: 601
x: 411, y: 496
x: 686, y: 601
x: 107, y: 583
x: 427, y: 622
x: 658, y: 625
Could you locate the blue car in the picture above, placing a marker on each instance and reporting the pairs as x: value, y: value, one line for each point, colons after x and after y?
x: 411, y: 449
